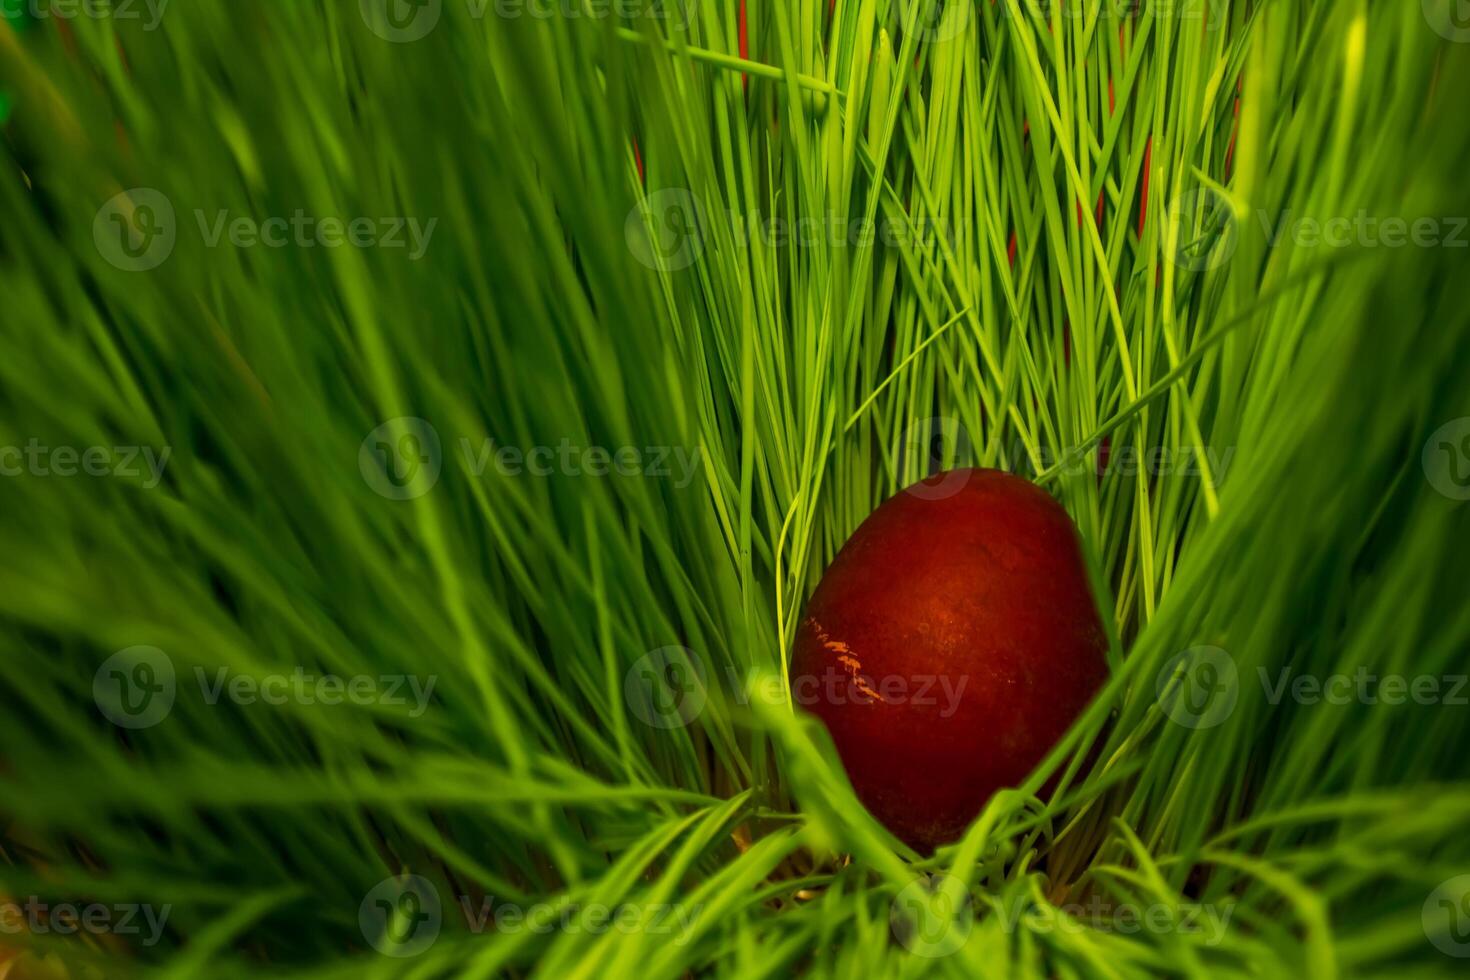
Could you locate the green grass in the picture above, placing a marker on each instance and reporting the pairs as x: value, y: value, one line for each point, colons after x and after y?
x: 1291, y: 387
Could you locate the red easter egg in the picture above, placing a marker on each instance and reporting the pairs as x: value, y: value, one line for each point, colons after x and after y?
x: 949, y: 646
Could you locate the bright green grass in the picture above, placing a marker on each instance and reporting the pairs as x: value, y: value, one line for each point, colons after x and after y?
x: 1291, y: 389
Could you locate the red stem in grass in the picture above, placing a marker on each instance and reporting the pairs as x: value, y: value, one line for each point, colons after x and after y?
x: 744, y: 46
x: 1104, y: 454
x: 68, y: 39
x: 1099, y: 212
x: 1148, y: 163
x: 1234, y: 132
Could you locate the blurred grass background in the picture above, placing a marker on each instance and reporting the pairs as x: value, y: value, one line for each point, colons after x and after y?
x: 1054, y: 254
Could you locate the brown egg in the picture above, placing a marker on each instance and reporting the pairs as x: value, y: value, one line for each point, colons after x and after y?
x: 949, y: 646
